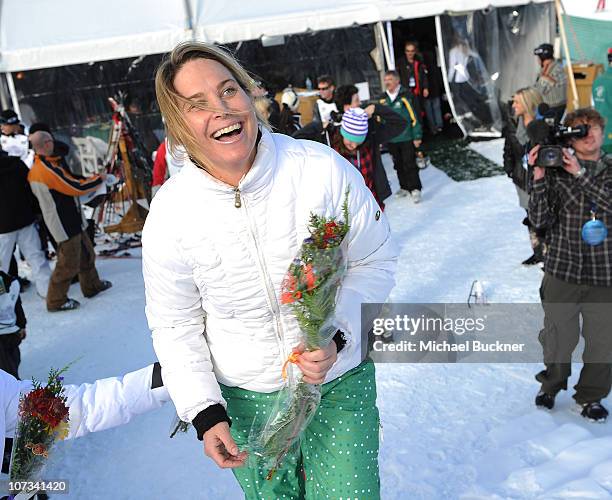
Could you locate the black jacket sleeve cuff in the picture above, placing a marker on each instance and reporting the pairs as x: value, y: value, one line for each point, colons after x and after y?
x: 156, y: 376
x: 340, y: 340
x: 208, y: 418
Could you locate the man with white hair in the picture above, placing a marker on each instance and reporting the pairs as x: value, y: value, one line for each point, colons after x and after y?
x: 57, y: 191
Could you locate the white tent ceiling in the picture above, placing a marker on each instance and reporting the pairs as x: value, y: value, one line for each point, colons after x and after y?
x: 42, y: 33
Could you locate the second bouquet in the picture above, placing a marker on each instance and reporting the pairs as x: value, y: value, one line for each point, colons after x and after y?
x: 309, y: 291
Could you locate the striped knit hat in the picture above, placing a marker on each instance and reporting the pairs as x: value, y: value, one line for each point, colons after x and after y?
x: 354, y: 125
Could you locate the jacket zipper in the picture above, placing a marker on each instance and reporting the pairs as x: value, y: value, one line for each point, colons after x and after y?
x: 275, y: 308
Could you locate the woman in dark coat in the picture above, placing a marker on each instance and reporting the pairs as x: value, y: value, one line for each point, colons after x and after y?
x: 524, y: 107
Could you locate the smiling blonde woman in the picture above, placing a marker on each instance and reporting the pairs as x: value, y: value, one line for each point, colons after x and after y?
x: 216, y: 245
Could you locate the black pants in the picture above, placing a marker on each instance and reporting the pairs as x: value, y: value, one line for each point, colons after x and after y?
x: 13, y: 267
x: 404, y: 163
x: 564, y: 303
x: 10, y: 356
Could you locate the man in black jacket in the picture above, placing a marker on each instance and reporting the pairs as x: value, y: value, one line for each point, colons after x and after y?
x: 18, y: 209
x: 414, y: 76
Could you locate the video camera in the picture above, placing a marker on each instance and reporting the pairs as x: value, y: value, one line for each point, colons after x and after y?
x: 551, y: 137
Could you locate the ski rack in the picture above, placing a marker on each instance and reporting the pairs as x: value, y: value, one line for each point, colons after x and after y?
x: 125, y: 153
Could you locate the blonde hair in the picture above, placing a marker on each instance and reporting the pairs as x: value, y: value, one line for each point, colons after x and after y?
x: 171, y: 103
x: 262, y: 106
x: 530, y: 99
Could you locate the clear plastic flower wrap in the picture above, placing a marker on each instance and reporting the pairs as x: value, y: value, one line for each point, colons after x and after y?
x: 309, y: 292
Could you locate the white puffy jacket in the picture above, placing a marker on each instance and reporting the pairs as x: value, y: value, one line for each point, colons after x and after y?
x: 214, y: 258
x: 93, y: 407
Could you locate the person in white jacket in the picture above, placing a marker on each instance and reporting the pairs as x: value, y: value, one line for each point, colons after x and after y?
x: 217, y: 244
x: 106, y: 403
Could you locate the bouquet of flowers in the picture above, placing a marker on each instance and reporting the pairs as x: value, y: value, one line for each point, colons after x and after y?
x: 43, y: 419
x: 309, y: 290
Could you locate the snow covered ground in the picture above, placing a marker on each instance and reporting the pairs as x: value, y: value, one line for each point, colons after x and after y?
x: 449, y: 431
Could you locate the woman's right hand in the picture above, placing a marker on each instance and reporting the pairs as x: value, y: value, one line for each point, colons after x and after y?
x: 538, y: 172
x: 221, y: 447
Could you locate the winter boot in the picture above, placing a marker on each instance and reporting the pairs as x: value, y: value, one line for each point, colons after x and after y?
x: 594, y: 411
x: 533, y: 260
x: 69, y: 305
x: 104, y: 285
x: 545, y: 400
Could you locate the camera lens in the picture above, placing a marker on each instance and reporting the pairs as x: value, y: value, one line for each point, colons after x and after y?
x: 550, y: 156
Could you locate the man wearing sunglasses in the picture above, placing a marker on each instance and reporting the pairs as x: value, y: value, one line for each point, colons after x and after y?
x: 324, y: 105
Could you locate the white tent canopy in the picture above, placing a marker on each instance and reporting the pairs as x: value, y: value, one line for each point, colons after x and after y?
x: 38, y: 34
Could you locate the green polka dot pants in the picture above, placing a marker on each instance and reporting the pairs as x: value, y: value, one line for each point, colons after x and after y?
x: 338, y: 456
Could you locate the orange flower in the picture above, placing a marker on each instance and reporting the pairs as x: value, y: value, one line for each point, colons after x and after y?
x: 38, y: 449
x: 287, y: 298
x: 310, y: 277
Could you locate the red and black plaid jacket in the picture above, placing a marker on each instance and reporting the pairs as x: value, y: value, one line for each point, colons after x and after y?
x: 562, y: 204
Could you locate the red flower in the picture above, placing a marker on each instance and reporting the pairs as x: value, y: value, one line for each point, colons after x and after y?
x: 42, y: 404
x: 330, y: 229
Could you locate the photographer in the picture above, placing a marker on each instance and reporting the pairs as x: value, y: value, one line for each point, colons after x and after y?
x: 574, y: 203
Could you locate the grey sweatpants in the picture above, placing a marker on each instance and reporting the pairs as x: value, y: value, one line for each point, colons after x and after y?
x: 563, y: 305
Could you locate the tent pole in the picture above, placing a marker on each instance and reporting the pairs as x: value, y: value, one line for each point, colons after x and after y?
x: 568, y: 60
x: 442, y: 60
x: 4, y: 97
x: 189, y: 19
x: 11, y: 86
x: 383, y: 41
x: 380, y: 49
x: 390, y: 44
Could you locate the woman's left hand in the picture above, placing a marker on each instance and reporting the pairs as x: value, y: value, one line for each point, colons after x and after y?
x: 316, y: 364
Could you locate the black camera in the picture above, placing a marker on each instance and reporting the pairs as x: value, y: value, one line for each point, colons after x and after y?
x: 552, y: 137
x: 336, y: 117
